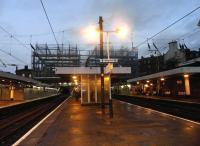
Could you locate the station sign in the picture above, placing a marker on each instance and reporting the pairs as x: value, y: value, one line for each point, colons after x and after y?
x: 108, y: 60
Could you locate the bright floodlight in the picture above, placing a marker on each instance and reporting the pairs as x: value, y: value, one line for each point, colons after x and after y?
x: 91, y: 34
x: 122, y: 31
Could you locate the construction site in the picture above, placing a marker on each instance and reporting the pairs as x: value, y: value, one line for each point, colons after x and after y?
x: 46, y: 57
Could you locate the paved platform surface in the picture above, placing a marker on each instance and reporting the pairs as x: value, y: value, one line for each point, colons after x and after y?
x: 76, y: 125
x: 8, y: 103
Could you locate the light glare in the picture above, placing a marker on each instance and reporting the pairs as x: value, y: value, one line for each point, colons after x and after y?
x: 91, y: 34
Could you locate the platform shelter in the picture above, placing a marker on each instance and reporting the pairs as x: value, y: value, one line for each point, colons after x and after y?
x: 89, y: 80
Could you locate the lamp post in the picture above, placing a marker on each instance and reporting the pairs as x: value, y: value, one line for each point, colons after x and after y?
x: 110, y: 67
x: 102, y: 65
x: 109, y: 73
x: 101, y: 31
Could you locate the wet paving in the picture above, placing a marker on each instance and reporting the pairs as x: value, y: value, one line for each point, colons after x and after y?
x: 8, y: 103
x: 76, y: 125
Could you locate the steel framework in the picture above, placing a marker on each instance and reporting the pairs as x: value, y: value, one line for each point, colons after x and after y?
x: 46, y: 57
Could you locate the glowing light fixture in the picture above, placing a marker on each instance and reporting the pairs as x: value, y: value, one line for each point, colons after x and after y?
x: 162, y: 79
x: 186, y: 75
x: 122, y: 31
x: 129, y: 86
x: 106, y: 78
x: 74, y: 77
x: 91, y: 33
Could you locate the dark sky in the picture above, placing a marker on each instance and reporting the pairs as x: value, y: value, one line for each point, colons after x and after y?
x: 143, y: 18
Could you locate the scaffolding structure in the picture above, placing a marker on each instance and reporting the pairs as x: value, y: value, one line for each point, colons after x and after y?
x: 126, y: 58
x: 46, y: 57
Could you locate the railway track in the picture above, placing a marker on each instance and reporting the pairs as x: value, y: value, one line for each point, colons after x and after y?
x: 15, y: 121
x: 185, y: 110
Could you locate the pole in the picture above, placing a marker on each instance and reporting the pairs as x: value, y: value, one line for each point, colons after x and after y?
x: 109, y: 75
x: 102, y: 65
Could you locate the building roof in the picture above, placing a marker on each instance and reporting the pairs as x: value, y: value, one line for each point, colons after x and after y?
x: 19, y: 78
x: 189, y: 62
x: 181, y: 70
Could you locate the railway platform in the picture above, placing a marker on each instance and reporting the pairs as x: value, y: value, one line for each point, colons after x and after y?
x: 73, y: 124
x: 8, y: 103
x: 169, y: 98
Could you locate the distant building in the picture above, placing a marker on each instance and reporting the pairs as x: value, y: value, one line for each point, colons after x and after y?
x: 176, y: 55
x: 170, y: 60
x: 25, y: 72
x: 151, y: 65
x: 191, y: 54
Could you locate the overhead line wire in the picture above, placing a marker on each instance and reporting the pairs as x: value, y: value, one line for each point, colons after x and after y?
x: 49, y: 23
x: 21, y: 43
x: 169, y: 26
x: 13, y: 56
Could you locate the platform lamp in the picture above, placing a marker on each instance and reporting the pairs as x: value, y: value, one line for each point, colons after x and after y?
x: 93, y: 33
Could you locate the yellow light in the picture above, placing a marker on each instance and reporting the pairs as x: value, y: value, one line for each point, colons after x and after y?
x: 138, y: 83
x: 146, y: 85
x: 129, y: 86
x: 122, y: 31
x: 91, y: 34
x: 106, y: 78
x: 186, y: 75
x: 162, y: 79
x: 74, y: 77
x: 151, y: 84
x: 147, y: 81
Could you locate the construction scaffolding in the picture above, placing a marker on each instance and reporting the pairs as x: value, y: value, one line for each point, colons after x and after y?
x: 46, y: 57
x: 126, y: 58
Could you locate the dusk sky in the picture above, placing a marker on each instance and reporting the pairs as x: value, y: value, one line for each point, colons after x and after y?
x: 144, y: 18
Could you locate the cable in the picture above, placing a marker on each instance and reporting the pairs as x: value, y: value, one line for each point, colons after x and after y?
x: 49, y: 22
x: 21, y: 43
x: 169, y: 26
x: 196, y: 30
x: 12, y: 56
